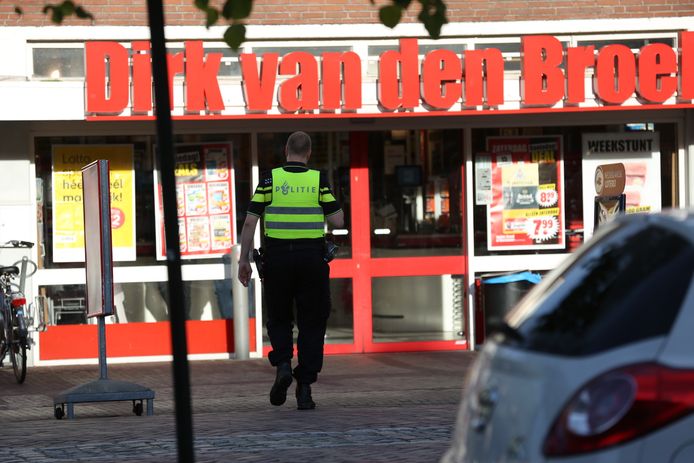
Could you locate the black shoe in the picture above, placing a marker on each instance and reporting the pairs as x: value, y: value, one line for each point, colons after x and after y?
x: 303, y: 397
x: 278, y: 393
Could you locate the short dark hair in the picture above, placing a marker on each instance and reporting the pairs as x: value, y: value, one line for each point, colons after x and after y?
x: 299, y: 143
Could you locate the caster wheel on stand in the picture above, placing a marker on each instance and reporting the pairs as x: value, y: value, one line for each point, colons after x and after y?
x: 137, y: 408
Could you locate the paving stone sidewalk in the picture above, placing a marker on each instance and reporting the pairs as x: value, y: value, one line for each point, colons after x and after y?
x: 371, y: 408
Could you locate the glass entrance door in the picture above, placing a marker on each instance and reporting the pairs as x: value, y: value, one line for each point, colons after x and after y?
x: 408, y: 236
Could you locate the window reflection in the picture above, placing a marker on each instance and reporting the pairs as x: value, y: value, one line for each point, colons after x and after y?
x: 422, y: 308
x: 230, y: 66
x: 415, y: 192
x: 341, y: 321
x: 634, y: 44
x: 628, y: 287
x: 144, y: 302
x: 58, y: 63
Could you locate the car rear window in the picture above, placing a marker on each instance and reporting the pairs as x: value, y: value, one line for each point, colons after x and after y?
x: 627, y: 287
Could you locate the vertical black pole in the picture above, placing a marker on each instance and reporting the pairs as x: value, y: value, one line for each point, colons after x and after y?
x: 107, y: 259
x: 184, y: 419
x: 103, y: 372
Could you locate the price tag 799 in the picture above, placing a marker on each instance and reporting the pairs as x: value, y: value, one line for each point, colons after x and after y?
x: 542, y: 228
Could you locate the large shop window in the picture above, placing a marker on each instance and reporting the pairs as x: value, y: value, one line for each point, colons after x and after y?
x: 538, y: 189
x: 416, y: 192
x: 213, y: 192
x: 144, y: 302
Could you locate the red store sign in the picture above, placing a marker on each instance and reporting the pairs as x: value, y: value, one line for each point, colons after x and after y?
x: 445, y: 81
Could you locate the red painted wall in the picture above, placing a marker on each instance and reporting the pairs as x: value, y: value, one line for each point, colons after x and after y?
x: 137, y: 339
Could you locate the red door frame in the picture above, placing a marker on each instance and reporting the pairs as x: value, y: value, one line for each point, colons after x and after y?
x: 362, y: 267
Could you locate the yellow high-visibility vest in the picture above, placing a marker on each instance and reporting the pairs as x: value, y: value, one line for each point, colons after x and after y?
x: 295, y: 211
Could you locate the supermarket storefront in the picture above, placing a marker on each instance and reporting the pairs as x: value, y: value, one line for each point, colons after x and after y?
x: 452, y: 159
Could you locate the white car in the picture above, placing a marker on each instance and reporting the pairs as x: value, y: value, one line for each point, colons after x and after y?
x: 596, y: 363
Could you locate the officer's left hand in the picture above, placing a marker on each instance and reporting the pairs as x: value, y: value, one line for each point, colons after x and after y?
x: 245, y: 272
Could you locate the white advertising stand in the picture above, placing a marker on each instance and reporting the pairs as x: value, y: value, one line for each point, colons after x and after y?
x: 99, y: 262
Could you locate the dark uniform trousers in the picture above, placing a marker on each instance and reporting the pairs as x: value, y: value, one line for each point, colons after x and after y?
x: 297, y: 273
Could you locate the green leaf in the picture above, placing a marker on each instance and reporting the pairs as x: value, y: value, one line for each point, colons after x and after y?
x: 18, y: 10
x: 67, y: 8
x: 56, y: 15
x: 390, y: 15
x: 212, y: 17
x: 226, y: 9
x: 237, y: 9
x: 202, y: 4
x: 63, y: 10
x: 404, y: 4
x: 83, y: 14
x: 235, y: 35
x: 433, y: 16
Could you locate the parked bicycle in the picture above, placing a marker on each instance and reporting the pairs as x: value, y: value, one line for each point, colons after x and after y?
x: 14, y: 333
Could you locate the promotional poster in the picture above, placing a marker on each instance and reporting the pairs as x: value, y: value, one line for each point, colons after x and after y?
x: 616, y: 164
x: 205, y: 199
x: 68, y: 215
x: 521, y: 181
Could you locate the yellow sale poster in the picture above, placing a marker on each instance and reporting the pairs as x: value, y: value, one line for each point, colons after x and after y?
x: 68, y: 218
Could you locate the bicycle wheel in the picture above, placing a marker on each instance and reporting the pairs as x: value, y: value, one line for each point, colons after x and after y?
x: 18, y: 352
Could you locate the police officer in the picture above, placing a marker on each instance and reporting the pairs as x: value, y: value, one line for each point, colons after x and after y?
x: 294, y: 202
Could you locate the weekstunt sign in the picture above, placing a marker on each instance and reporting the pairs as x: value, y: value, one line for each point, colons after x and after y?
x: 616, y: 164
x: 552, y: 76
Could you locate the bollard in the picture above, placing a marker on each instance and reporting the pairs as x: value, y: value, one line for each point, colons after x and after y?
x: 23, y: 273
x: 240, y: 298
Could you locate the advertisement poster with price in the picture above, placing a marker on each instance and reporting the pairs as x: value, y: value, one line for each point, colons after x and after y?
x: 637, y: 155
x: 68, y: 215
x: 526, y: 210
x: 204, y: 198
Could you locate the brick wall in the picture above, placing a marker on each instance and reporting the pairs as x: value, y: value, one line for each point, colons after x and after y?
x: 182, y: 12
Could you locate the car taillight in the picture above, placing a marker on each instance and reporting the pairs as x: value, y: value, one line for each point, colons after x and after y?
x: 18, y: 302
x: 619, y: 406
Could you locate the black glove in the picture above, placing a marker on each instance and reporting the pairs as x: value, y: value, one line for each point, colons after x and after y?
x: 330, y: 251
x: 258, y: 259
